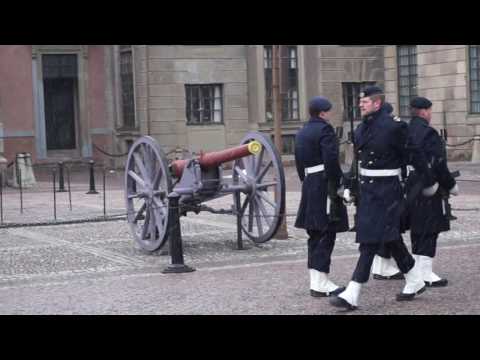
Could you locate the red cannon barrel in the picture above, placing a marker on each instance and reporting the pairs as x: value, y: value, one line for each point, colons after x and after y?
x: 216, y: 158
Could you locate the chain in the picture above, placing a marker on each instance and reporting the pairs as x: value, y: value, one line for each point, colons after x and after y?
x: 475, y: 138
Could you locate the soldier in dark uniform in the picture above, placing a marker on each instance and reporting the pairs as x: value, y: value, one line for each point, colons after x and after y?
x: 380, y: 145
x: 427, y: 212
x: 384, y: 266
x: 317, y: 162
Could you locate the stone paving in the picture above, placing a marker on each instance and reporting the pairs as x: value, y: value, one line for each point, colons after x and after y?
x: 95, y: 268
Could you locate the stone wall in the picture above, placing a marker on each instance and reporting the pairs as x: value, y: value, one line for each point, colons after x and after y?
x: 161, y: 95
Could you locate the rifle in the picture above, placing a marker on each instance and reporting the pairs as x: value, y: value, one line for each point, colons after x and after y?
x: 353, y: 175
x: 446, y: 195
x: 334, y: 200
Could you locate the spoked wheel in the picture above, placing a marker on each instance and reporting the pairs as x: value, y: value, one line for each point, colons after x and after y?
x: 147, y: 185
x: 263, y: 205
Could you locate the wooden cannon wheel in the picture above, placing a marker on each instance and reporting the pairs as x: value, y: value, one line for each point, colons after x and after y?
x: 147, y: 184
x: 262, y: 207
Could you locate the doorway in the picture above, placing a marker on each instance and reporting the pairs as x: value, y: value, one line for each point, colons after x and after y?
x: 60, y: 85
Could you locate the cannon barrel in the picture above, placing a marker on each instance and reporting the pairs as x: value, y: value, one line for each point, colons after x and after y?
x: 216, y: 158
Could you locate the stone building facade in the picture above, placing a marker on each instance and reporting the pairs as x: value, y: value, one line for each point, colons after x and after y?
x: 241, y: 72
x: 449, y: 76
x: 72, y: 102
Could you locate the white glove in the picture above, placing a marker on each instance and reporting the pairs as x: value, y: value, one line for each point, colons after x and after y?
x: 454, y: 190
x: 340, y: 191
x: 346, y: 196
x: 430, y: 191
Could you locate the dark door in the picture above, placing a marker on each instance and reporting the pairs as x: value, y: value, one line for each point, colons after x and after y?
x: 59, y: 83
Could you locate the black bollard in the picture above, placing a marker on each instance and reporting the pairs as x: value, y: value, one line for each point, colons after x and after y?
x: 61, y: 182
x: 236, y: 197
x: 69, y: 190
x: 92, y: 179
x: 19, y: 180
x: 175, y: 238
x: 104, y: 196
x: 54, y: 195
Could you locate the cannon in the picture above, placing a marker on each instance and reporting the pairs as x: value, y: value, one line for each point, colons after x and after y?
x: 152, y: 183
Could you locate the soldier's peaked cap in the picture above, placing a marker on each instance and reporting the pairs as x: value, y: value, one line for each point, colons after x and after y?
x: 370, y: 91
x: 420, y: 103
x: 319, y: 103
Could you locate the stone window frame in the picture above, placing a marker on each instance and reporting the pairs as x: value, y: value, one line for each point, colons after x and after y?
x: 292, y: 71
x: 83, y: 140
x: 471, y: 82
x: 214, y: 101
x: 411, y: 77
x: 119, y: 104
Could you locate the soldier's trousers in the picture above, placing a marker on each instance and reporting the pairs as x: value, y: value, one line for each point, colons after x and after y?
x: 320, y: 248
x: 424, y: 244
x: 400, y: 254
x: 384, y: 251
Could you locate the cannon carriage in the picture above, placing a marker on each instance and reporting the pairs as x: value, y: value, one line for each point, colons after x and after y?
x: 154, y: 185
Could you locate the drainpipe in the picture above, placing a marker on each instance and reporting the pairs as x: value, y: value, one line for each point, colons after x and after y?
x: 147, y: 67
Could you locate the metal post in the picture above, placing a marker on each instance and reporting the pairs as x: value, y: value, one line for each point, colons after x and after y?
x: 104, y: 196
x: 54, y: 195
x: 92, y: 178
x: 236, y: 197
x: 19, y: 179
x: 277, y: 121
x: 69, y: 190
x: 175, y: 238
x: 61, y: 183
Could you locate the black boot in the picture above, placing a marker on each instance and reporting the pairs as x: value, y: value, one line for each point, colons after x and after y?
x: 409, y: 297
x: 326, y: 294
x: 342, y: 303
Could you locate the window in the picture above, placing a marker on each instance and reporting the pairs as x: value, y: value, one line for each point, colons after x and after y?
x: 267, y: 65
x: 351, y: 92
x: 474, y: 70
x: 288, y: 85
x: 204, y: 104
x: 407, y: 77
x: 288, y: 144
x: 126, y: 81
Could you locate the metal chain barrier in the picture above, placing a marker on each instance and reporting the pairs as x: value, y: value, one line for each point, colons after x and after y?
x: 475, y: 138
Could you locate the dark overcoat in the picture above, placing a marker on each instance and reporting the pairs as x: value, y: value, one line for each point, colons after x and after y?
x: 380, y: 145
x: 316, y: 144
x: 428, y: 156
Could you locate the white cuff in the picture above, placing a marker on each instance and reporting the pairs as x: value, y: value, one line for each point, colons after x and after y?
x: 430, y: 191
x: 454, y: 190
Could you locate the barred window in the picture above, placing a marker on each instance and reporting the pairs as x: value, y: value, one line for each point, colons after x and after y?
x: 288, y: 144
x: 351, y: 92
x: 474, y: 71
x: 126, y: 81
x: 204, y: 104
x: 267, y: 65
x: 289, y: 82
x: 407, y: 77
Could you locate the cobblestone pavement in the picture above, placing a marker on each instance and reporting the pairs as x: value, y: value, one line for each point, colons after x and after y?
x: 95, y: 268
